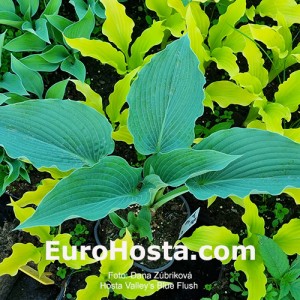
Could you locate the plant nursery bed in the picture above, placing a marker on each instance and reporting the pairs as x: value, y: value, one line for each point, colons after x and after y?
x: 112, y: 111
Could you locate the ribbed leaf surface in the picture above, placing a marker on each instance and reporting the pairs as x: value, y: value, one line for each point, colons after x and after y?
x: 166, y: 99
x: 91, y: 193
x: 175, y: 167
x: 269, y: 163
x: 54, y: 133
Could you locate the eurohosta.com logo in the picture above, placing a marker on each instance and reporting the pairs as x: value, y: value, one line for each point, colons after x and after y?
x: 152, y: 253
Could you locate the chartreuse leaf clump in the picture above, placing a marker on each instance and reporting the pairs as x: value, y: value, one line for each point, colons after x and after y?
x: 24, y: 253
x: 118, y: 28
x: 270, y: 254
x: 113, y: 276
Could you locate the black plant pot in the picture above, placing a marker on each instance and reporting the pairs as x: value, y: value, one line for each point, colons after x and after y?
x: 139, y: 265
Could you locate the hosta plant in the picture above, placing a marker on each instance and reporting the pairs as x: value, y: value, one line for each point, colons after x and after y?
x: 42, y: 45
x: 164, y: 103
x: 233, y: 34
x: 10, y: 171
x: 125, y: 55
x: 269, y: 253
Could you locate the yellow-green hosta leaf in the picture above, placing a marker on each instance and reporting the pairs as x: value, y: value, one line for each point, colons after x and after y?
x: 43, y: 263
x: 22, y: 214
x: 288, y: 8
x: 226, y: 21
x: 150, y: 37
x: 213, y: 236
x: 95, y: 289
x: 272, y: 114
x: 255, y: 224
x: 288, y: 92
x: 293, y: 133
x: 256, y: 278
x: 75, y: 262
x: 211, y: 201
x: 122, y: 134
x: 100, y: 50
x: 226, y: 60
x: 288, y: 237
x: 178, y: 6
x: 131, y: 287
x: 250, y: 13
x: 294, y: 193
x: 118, y: 26
x: 176, y: 24
x: 160, y: 7
x: 55, y: 173
x: 257, y: 124
x: 92, y: 99
x: 237, y: 200
x: 196, y: 36
x: 200, y: 18
x: 118, y: 97
x: 241, y: 40
x: 21, y: 255
x: 285, y: 32
x: 122, y: 262
x: 249, y: 82
x: 270, y: 37
x: 226, y: 93
x: 255, y: 62
x: 35, y: 197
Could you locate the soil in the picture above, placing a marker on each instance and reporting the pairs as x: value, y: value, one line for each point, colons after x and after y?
x: 173, y: 212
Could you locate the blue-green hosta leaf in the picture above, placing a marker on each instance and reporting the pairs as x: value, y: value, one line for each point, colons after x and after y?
x: 166, y: 99
x: 11, y: 19
x: 2, y: 36
x: 36, y: 62
x: 53, y: 133
x: 92, y: 193
x: 56, y: 54
x: 52, y: 7
x: 13, y: 84
x: 7, y: 5
x: 57, y: 90
x: 29, y: 7
x: 58, y: 22
x: 26, y: 42
x: 175, y: 167
x: 40, y: 30
x: 75, y: 68
x: 80, y: 6
x: 82, y: 28
x: 3, y: 99
x: 15, y: 98
x: 31, y: 80
x: 269, y: 163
